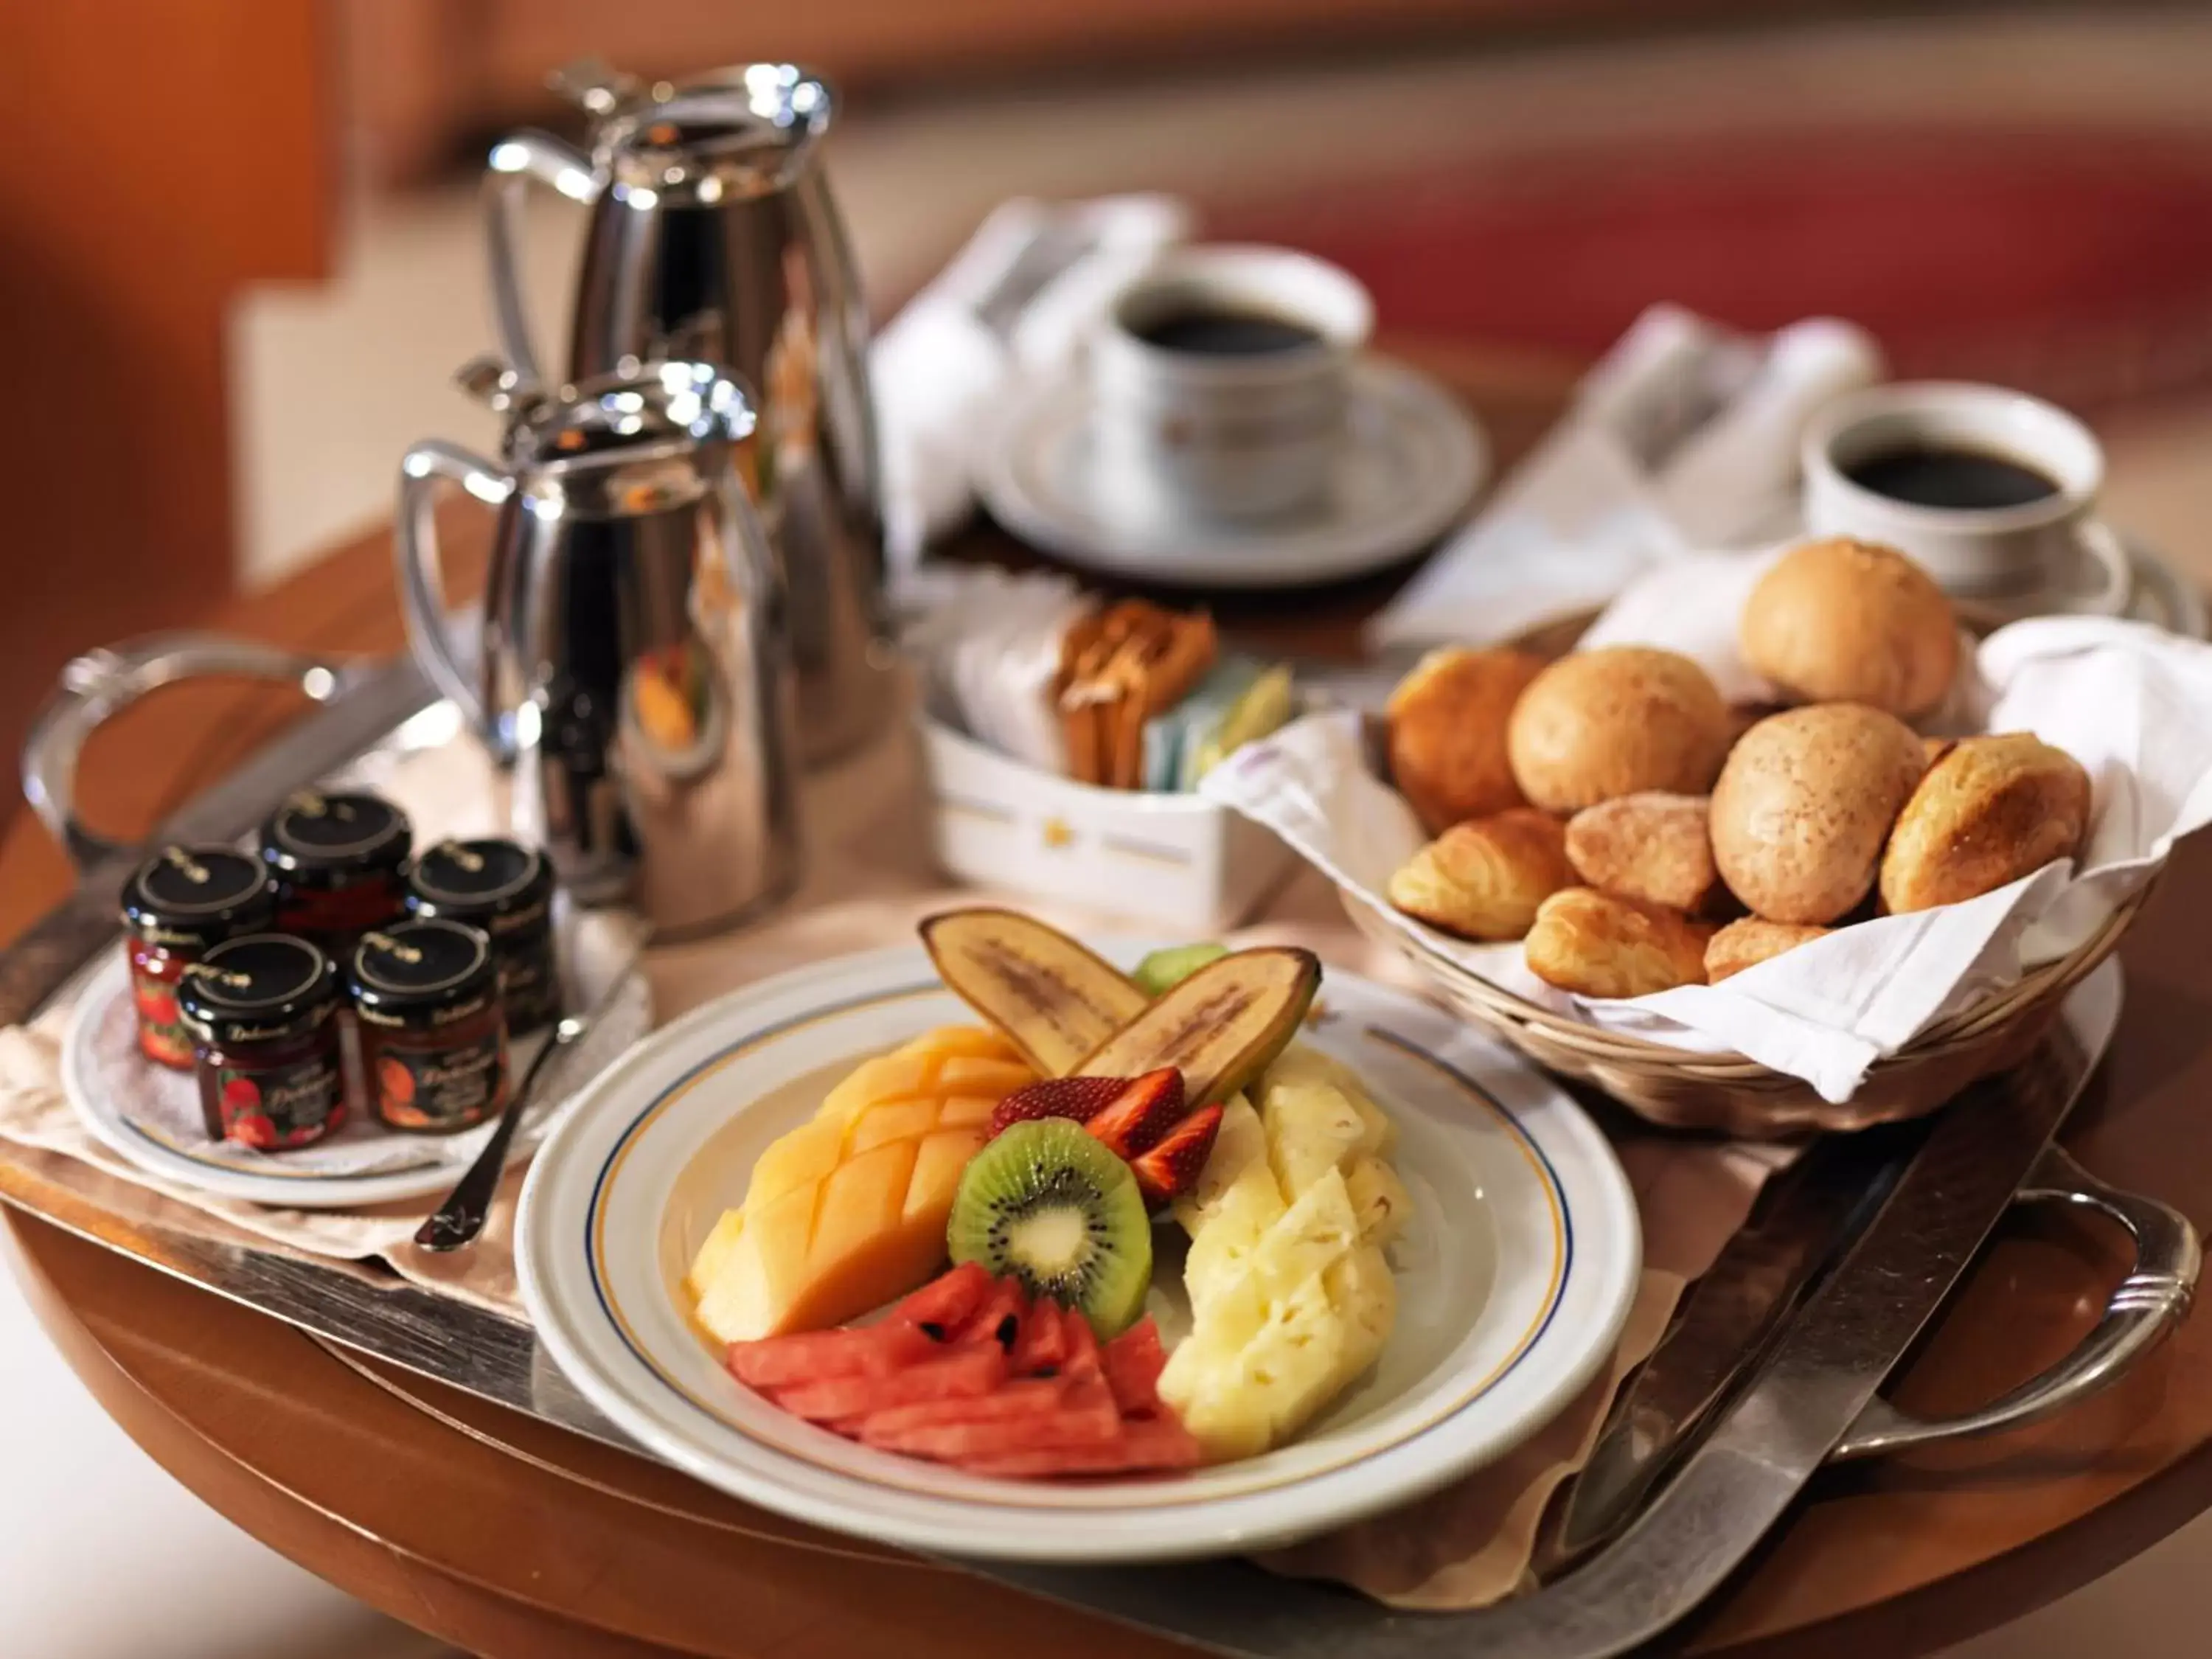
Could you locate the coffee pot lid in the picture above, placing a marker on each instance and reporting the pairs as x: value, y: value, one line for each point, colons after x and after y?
x: 673, y: 405
x: 747, y: 130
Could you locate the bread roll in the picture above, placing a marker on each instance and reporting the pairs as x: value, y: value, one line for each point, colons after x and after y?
x: 1447, y: 721
x: 1615, y: 721
x: 1990, y: 810
x: 1600, y: 945
x: 1484, y: 880
x: 1804, y: 804
x: 1650, y: 845
x: 1748, y: 942
x: 1840, y: 620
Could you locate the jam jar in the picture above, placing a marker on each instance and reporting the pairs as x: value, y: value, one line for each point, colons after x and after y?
x: 262, y: 1011
x: 433, y: 1033
x: 507, y: 890
x: 176, y: 906
x: 337, y: 860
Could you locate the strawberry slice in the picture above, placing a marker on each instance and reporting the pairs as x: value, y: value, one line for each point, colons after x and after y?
x: 947, y: 1301
x: 1078, y: 1098
x: 1145, y: 1109
x: 966, y: 1373
x: 1133, y: 1361
x: 1171, y: 1169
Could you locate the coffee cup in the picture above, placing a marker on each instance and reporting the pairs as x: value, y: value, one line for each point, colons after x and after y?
x: 1220, y: 379
x: 1992, y: 492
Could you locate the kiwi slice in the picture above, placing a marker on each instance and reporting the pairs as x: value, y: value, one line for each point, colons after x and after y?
x: 1047, y: 1203
x: 1163, y: 970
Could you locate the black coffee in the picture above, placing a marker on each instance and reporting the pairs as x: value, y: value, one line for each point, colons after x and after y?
x: 1926, y: 476
x: 1224, y: 333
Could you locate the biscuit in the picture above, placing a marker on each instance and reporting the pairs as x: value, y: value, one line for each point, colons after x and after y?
x: 1447, y: 733
x: 1613, y: 721
x: 1842, y: 621
x: 1484, y: 879
x: 1599, y: 945
x: 1990, y: 810
x: 1804, y: 804
x: 1750, y: 941
x: 1650, y: 845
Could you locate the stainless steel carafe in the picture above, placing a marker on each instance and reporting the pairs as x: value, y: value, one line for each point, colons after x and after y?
x: 713, y: 238
x: 635, y: 664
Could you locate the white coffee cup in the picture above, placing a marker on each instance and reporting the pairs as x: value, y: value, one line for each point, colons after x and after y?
x: 2048, y: 554
x: 1225, y: 435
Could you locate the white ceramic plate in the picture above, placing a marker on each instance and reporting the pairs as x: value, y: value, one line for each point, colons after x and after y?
x: 1413, y: 460
x: 150, y: 1115
x: 1514, y: 1278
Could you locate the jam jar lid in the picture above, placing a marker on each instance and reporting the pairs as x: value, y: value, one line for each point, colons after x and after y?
x: 321, y: 841
x: 198, y: 896
x: 422, y: 973
x: 259, y: 988
x: 499, y: 885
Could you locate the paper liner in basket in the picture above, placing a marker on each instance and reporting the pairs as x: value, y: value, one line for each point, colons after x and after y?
x: 2131, y: 702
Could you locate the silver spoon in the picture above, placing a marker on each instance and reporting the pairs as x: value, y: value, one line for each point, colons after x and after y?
x: 463, y: 1215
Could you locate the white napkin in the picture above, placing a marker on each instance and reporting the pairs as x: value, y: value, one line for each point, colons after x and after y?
x: 1685, y: 435
x: 1017, y: 298
x: 2132, y: 703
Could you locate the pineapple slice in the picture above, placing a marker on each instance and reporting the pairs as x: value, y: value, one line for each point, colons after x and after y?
x: 1240, y: 1398
x: 1366, y: 1296
x: 1311, y: 1125
x: 1379, y: 1198
x: 1239, y: 1143
x: 1311, y: 1234
x: 1313, y: 1068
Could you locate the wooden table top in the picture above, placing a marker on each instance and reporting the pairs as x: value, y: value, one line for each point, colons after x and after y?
x: 506, y: 1536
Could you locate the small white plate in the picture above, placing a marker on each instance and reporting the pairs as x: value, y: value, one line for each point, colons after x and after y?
x: 1514, y: 1278
x: 149, y: 1116
x: 1413, y: 460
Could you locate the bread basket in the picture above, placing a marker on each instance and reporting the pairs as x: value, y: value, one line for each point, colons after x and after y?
x: 1679, y: 1089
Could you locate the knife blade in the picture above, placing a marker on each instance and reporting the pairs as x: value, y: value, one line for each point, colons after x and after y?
x: 1727, y: 1321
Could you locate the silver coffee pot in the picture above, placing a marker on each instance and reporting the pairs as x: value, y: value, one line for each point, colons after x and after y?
x: 634, y: 666
x: 713, y: 238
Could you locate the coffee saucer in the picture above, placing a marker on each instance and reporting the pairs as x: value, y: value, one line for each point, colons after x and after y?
x: 1411, y: 462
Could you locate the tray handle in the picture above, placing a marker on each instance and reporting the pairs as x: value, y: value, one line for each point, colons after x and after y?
x: 100, y: 684
x: 2148, y: 1304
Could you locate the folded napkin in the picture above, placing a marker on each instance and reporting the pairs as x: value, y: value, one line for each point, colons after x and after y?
x: 2129, y: 702
x: 1016, y: 299
x: 1684, y: 436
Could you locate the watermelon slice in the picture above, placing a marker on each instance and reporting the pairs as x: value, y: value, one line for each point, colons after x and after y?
x: 813, y: 1356
x: 1160, y: 1444
x: 1133, y: 1361
x: 1043, y: 1342
x: 1084, y: 1417
x: 963, y: 1373
x: 988, y: 1322
x: 1081, y: 1364
x: 947, y: 1301
x: 1024, y: 1397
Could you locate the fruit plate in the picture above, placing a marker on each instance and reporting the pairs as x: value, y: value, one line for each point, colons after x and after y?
x: 1513, y: 1276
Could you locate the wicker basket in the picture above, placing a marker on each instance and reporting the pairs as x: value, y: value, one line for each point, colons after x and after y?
x: 1678, y: 1089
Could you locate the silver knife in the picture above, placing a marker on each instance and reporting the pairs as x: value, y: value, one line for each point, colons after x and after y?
x: 1724, y: 1326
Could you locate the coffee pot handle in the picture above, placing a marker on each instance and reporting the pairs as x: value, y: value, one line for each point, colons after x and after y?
x: 513, y: 162
x: 421, y: 585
